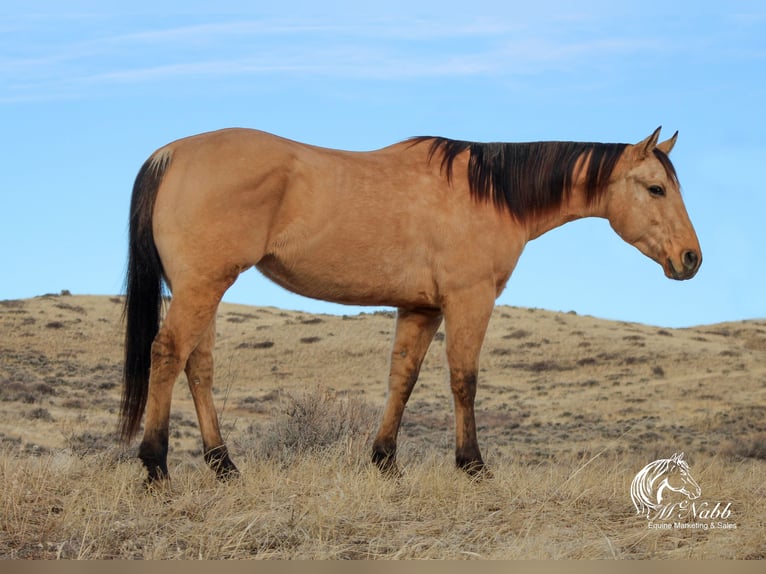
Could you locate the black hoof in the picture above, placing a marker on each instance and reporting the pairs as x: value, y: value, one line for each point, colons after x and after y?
x: 476, y: 469
x: 218, y: 459
x: 156, y: 473
x: 154, y: 455
x: 226, y: 472
x: 157, y: 484
x: 386, y: 463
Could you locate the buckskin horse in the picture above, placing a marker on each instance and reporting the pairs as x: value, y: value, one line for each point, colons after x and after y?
x: 431, y: 226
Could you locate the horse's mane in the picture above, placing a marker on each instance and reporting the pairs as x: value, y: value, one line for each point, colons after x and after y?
x: 529, y: 178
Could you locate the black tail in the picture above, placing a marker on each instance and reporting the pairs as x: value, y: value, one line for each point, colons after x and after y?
x: 144, y: 290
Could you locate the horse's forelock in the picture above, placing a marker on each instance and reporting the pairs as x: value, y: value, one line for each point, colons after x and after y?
x: 670, y: 170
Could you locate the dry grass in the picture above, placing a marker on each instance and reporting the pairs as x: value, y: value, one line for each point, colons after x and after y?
x: 326, y: 505
x: 570, y: 408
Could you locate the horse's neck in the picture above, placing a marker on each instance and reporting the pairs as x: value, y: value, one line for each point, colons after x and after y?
x: 573, y: 206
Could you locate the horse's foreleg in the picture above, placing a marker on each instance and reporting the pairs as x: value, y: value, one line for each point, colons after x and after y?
x: 199, y: 373
x: 414, y: 332
x: 188, y: 317
x: 466, y: 320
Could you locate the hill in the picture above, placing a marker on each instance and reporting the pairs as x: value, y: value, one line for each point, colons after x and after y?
x: 569, y: 409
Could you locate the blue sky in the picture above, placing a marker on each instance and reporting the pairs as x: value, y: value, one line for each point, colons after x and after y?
x: 89, y: 89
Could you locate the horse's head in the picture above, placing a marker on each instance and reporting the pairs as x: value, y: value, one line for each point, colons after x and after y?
x: 645, y: 208
x: 679, y: 479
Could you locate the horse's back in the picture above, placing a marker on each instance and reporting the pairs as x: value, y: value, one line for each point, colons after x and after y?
x: 241, y: 194
x: 378, y: 227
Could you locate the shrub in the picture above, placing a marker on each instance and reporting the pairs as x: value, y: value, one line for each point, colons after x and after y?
x: 313, y: 420
x: 753, y: 446
x: 40, y: 414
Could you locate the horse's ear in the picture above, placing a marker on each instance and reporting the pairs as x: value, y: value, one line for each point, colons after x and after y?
x: 677, y: 457
x: 668, y: 144
x: 646, y: 146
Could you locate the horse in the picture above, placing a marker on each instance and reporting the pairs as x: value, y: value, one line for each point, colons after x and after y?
x: 648, y: 487
x: 431, y: 226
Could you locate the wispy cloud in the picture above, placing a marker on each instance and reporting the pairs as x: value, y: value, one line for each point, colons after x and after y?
x: 82, y: 58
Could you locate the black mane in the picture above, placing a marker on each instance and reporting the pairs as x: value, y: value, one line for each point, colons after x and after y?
x: 528, y: 178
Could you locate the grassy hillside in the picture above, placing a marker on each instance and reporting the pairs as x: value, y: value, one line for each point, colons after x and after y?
x: 569, y: 409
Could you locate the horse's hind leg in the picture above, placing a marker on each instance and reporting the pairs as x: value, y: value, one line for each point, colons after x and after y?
x: 191, y: 312
x: 199, y: 373
x: 414, y: 331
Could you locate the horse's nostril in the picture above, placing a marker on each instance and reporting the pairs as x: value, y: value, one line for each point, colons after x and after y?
x: 690, y: 259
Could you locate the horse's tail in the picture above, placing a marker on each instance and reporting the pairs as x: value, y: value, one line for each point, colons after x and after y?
x: 144, y: 291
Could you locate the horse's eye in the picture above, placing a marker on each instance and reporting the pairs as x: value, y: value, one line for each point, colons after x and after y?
x: 656, y: 190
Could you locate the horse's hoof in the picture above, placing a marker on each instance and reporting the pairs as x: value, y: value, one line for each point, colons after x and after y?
x: 228, y: 473
x: 391, y: 471
x: 156, y: 474
x: 158, y: 488
x: 218, y: 459
x: 387, y: 466
x: 477, y: 470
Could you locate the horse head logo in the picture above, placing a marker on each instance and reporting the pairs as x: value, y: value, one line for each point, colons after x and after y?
x: 654, y: 481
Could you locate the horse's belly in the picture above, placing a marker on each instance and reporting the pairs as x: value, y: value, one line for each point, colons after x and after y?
x: 352, y: 282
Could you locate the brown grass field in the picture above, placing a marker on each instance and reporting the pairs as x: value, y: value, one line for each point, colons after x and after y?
x: 569, y: 409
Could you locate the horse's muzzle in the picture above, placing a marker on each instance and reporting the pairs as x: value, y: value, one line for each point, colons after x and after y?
x: 687, y: 267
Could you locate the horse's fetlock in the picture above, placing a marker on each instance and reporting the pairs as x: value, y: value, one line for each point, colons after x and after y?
x: 153, y: 452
